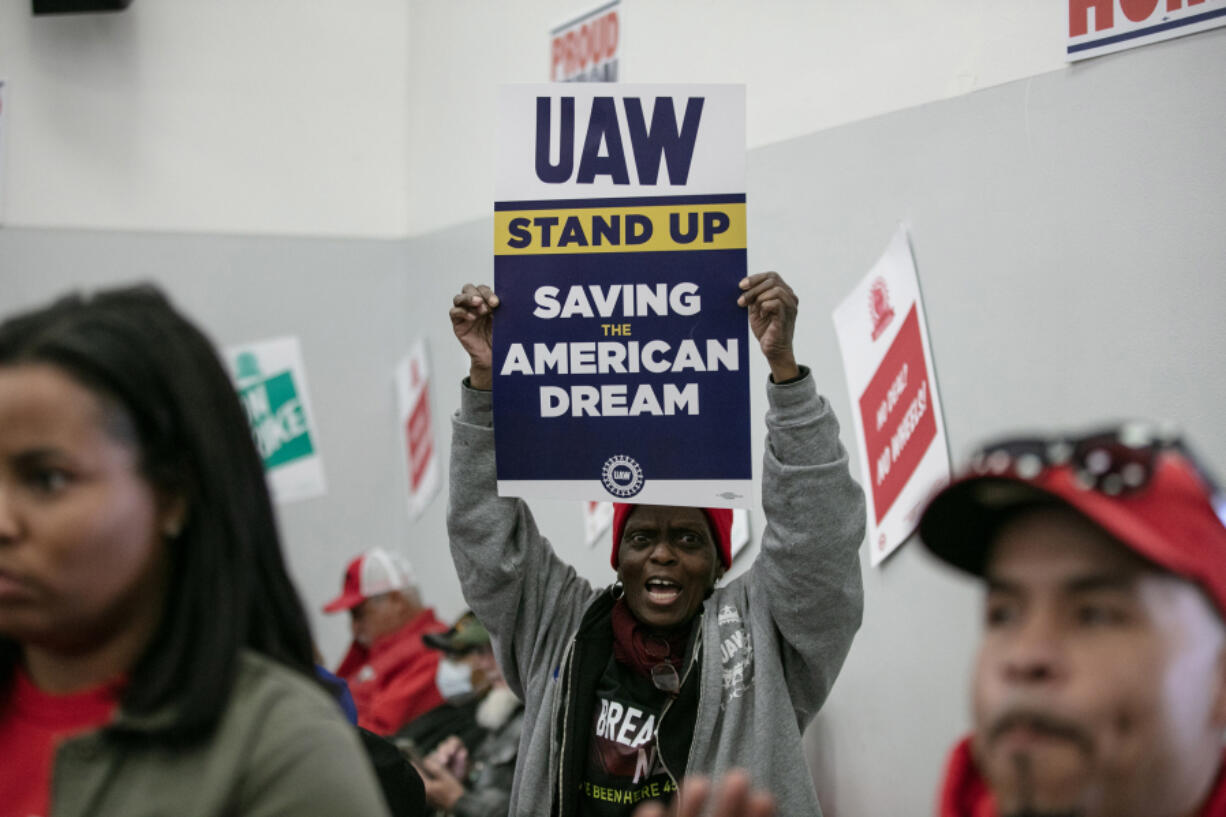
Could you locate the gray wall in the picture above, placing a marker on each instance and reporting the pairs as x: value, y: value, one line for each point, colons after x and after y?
x: 1068, y: 235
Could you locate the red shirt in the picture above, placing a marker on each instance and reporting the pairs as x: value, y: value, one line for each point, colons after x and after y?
x: 394, y: 681
x: 965, y: 794
x: 32, y: 725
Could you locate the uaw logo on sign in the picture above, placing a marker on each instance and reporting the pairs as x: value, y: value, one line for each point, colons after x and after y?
x: 1102, y: 26
x: 622, y: 476
x: 879, y: 307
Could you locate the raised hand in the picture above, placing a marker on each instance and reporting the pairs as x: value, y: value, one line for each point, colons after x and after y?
x: 772, y: 317
x: 472, y: 321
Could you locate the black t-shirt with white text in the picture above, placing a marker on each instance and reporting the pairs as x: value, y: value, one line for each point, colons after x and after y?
x: 623, y: 768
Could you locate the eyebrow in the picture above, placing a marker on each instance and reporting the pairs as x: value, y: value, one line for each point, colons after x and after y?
x: 1113, y: 581
x: 33, y: 455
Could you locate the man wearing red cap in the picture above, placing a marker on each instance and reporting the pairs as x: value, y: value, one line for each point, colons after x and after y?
x: 628, y: 688
x: 391, y: 672
x: 1100, y: 687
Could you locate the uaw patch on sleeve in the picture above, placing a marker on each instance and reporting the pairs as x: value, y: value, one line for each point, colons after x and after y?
x: 736, y: 654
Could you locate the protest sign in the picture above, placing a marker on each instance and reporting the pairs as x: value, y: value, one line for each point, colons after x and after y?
x: 620, y: 354
x: 740, y: 531
x: 587, y: 48
x: 271, y: 382
x: 597, y: 517
x: 900, y: 433
x: 417, y: 427
x: 1102, y: 26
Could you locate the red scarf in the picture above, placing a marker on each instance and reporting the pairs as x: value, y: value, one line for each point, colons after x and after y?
x: 639, y: 648
x: 964, y: 793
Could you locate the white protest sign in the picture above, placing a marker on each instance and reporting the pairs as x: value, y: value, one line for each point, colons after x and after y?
x: 621, y: 358
x: 597, y: 517
x: 271, y: 382
x: 900, y: 432
x: 417, y: 427
x: 1098, y: 27
x: 587, y: 48
x: 740, y: 531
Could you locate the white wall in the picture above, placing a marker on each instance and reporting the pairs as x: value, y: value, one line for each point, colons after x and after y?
x: 807, y: 65
x: 371, y: 119
x: 226, y: 116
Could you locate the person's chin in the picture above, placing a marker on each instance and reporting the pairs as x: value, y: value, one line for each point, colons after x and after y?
x: 1038, y: 780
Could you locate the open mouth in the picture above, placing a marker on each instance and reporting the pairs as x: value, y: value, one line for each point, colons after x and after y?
x: 663, y: 591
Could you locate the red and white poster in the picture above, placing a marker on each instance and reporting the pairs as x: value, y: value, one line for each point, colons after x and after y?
x: 597, y: 517
x: 1101, y: 26
x: 900, y: 433
x: 417, y: 427
x: 587, y: 48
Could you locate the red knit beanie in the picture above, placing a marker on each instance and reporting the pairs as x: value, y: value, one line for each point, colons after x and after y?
x: 720, y: 520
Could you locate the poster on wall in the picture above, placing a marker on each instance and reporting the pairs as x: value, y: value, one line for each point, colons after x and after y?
x: 900, y: 431
x: 597, y: 517
x: 620, y: 354
x: 740, y: 531
x: 587, y: 48
x: 1097, y: 27
x: 417, y: 427
x: 271, y: 381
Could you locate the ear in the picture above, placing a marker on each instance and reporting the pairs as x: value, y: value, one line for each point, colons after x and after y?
x: 172, y: 515
x: 1219, y: 696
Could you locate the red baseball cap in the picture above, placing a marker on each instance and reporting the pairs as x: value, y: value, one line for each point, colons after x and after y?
x: 720, y: 520
x: 1174, y: 520
x: 373, y: 573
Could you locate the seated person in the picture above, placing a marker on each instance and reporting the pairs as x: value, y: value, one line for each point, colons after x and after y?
x: 154, y: 655
x: 390, y: 672
x: 731, y: 675
x: 471, y: 776
x: 1100, y: 687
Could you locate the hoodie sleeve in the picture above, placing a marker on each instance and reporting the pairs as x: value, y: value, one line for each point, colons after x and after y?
x: 807, y: 573
x: 528, y: 598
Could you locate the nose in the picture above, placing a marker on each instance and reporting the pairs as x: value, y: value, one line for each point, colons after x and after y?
x: 1034, y: 654
x: 8, y: 517
x: 663, y: 553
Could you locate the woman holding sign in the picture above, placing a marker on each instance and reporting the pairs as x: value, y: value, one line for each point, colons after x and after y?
x: 662, y: 674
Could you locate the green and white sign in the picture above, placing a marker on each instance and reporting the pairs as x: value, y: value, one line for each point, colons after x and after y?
x: 271, y: 382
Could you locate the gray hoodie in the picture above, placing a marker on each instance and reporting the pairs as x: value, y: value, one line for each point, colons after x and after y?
x: 773, y: 639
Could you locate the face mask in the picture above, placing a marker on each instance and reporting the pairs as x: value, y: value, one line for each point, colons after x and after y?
x: 454, y: 678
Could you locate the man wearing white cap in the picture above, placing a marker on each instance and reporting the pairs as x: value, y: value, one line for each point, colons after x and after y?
x: 390, y: 671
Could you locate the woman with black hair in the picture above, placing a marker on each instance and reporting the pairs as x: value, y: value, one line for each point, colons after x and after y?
x: 154, y: 655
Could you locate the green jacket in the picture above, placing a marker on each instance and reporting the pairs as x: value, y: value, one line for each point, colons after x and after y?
x: 280, y: 748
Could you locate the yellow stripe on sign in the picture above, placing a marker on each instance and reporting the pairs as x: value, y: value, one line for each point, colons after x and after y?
x: 654, y: 228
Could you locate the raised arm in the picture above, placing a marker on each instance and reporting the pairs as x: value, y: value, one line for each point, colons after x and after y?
x: 807, y: 573
x: 525, y: 595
